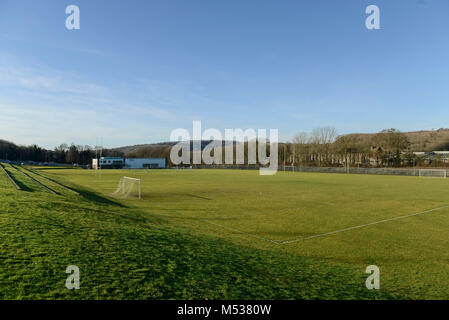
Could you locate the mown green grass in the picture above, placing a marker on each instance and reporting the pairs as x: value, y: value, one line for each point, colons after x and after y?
x: 197, y: 234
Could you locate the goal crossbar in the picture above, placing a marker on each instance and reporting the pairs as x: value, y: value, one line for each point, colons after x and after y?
x: 438, y: 173
x: 124, y: 189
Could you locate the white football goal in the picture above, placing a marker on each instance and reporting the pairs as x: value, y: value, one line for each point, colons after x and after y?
x: 436, y: 173
x: 128, y: 187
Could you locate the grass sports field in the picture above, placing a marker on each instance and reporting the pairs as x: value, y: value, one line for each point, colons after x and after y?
x: 231, y: 234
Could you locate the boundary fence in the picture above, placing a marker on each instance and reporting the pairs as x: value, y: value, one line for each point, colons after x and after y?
x: 380, y: 171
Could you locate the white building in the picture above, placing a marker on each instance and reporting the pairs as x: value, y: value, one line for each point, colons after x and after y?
x: 145, y: 163
x: 442, y: 153
x: 108, y: 163
x: 442, y: 156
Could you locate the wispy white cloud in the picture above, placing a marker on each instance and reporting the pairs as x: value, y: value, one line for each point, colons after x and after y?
x: 54, y: 82
x: 47, y: 106
x: 68, y: 88
x: 50, y: 126
x: 39, y: 104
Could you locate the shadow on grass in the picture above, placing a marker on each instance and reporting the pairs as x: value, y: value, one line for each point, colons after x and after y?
x: 92, y: 196
x: 22, y: 186
x: 55, y: 168
x: 198, y: 197
x: 89, y: 195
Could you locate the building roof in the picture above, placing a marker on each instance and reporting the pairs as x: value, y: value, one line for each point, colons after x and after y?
x: 131, y: 159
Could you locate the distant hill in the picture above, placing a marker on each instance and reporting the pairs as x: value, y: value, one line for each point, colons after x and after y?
x: 155, y: 150
x: 429, y: 140
x: 131, y: 149
x: 425, y: 140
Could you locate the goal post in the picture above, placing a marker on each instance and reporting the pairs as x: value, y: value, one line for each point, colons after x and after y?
x: 435, y: 173
x: 127, y: 186
x: 289, y: 168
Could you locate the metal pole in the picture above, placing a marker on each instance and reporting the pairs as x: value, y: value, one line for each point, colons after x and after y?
x: 284, y: 154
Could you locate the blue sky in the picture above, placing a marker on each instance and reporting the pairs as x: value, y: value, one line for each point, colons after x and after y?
x: 136, y: 70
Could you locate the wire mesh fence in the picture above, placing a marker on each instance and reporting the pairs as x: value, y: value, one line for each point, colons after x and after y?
x: 350, y: 170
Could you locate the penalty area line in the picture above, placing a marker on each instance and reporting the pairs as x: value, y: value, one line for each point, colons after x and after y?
x: 360, y: 226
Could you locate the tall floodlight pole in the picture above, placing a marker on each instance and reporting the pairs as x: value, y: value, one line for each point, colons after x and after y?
x: 293, y: 156
x: 285, y: 154
x: 414, y: 164
x: 96, y: 153
x: 101, y: 152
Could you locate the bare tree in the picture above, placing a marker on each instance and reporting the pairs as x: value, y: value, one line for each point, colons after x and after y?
x: 324, y: 135
x: 301, y: 147
x: 322, y: 139
x: 302, y: 138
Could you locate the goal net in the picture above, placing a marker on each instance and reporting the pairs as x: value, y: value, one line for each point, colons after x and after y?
x: 128, y: 187
x: 437, y: 173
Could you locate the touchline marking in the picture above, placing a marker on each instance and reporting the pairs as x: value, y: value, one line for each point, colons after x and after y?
x: 279, y: 242
x: 360, y: 226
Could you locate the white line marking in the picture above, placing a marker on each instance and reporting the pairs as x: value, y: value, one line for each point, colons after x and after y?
x: 361, y: 226
x: 317, y: 235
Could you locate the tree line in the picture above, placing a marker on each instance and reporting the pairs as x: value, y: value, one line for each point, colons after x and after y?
x: 323, y: 147
x: 65, y: 154
x: 320, y: 147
